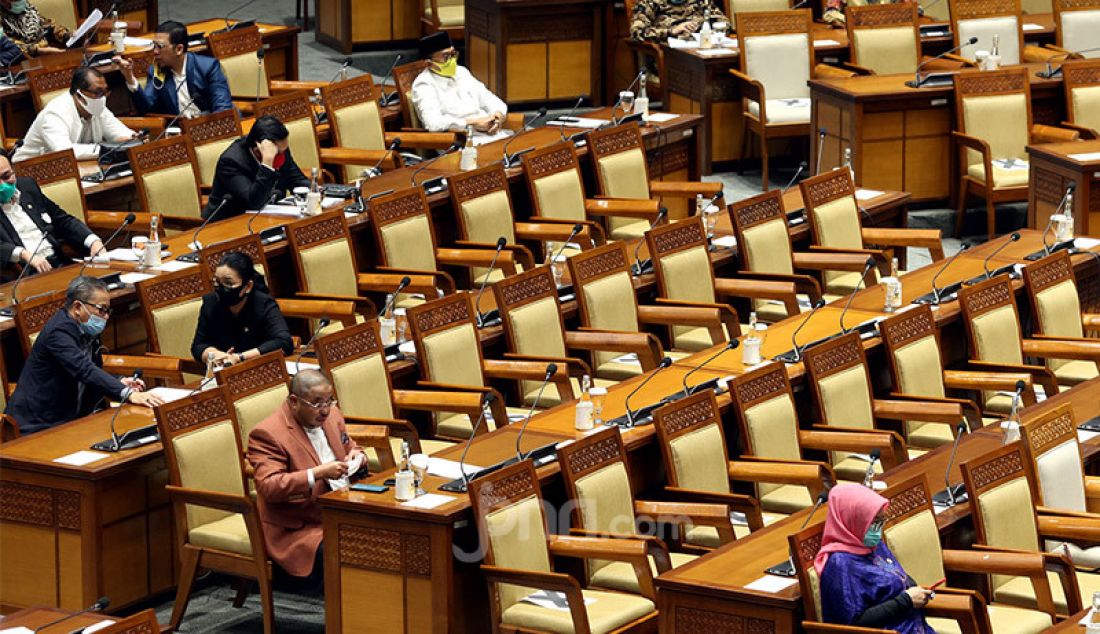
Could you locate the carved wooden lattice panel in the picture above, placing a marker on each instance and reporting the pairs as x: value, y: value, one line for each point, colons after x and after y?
x: 768, y: 385
x: 968, y: 9
x: 910, y: 326
x: 196, y: 411
x: 34, y: 317
x: 251, y: 247
x: 370, y: 548
x: 696, y: 620
x: 160, y: 155
x: 679, y: 236
x: 614, y: 140
x: 698, y: 413
x: 599, y: 263
x: 395, y: 207
x: 320, y: 231
x: 348, y: 343
x: 747, y: 216
x: 255, y: 378
x: 823, y: 362
x: 836, y: 184
x: 235, y: 42
x: 350, y: 92
x: 986, y: 297
x: 160, y: 291
x: 1049, y: 271
x: 769, y: 22
x: 222, y: 125
x: 907, y: 501
x: 991, y: 83
x: 1051, y: 429
x: 54, y: 168
x: 476, y: 185
x: 900, y: 14
x: 594, y: 456
x: 561, y: 158
x: 286, y: 109
x: 443, y: 314
x: 523, y: 288
x: 1005, y: 467
x: 516, y: 486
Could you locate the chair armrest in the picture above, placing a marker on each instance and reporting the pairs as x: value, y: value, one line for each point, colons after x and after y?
x: 970, y: 380
x: 553, y: 581
x: 645, y: 345
x: 552, y: 231
x: 1090, y: 320
x: 283, y: 85
x: 857, y: 69
x: 103, y: 220
x: 803, y: 283
x: 353, y: 156
x: 734, y: 501
x: 964, y: 606
x: 1070, y: 528
x: 574, y: 366
x: 159, y: 367
x: 750, y: 89
x: 593, y: 228
x: 976, y: 144
x: 1061, y: 348
x: 685, y: 189
x: 827, y: 71
x: 814, y: 627
x: 930, y: 239
x: 932, y: 411
x: 364, y: 305
x: 376, y: 437
x: 785, y: 291
x: 699, y: 514
x: 1042, y: 376
x: 829, y: 260
x: 422, y: 140
x: 1085, y: 133
x: 1092, y: 493
x: 212, y: 499
x: 1052, y: 134
x: 812, y: 475
x: 466, y: 402
x: 969, y: 408
x: 521, y: 255
x: 426, y: 282
x: 1035, y: 54
x: 628, y: 208
x: 633, y: 551
x: 680, y: 316
x: 529, y: 371
x: 343, y: 311
x: 726, y: 314
x: 471, y: 258
x: 891, y: 446
x: 1030, y: 565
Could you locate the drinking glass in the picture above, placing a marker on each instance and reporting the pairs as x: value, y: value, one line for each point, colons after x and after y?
x: 300, y: 195
x: 598, y: 396
x: 418, y: 462
x: 626, y: 101
x: 137, y: 245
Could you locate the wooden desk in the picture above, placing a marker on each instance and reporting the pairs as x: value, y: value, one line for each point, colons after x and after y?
x: 538, y: 51
x: 900, y: 136
x: 347, y: 26
x: 32, y: 618
x: 1053, y: 167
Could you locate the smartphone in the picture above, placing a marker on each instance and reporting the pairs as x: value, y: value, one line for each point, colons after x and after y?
x: 370, y: 488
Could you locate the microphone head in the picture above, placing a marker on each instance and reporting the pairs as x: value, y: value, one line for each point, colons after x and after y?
x: 551, y: 369
x: 138, y: 373
x: 488, y: 398
x: 964, y: 246
x: 819, y: 303
x: 1071, y: 186
x: 822, y: 131
x: 398, y: 58
x: 325, y: 321
x: 823, y: 496
x: 101, y: 604
x: 1020, y: 385
x: 396, y: 143
x: 972, y: 40
x: 260, y: 53
x: 501, y: 242
x: 130, y: 218
x: 803, y: 165
x: 870, y: 262
x: 541, y: 113
x: 1014, y: 237
x: 875, y: 454
x: 667, y: 361
x: 577, y: 228
x: 405, y: 281
x: 732, y: 345
x: 347, y: 61
x: 961, y: 428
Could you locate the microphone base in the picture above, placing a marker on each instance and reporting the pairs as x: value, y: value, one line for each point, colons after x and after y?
x: 192, y: 257
x: 785, y: 569
x: 933, y: 80
x: 1093, y: 424
x: 458, y: 485
x: 434, y: 185
x: 130, y: 440
x: 947, y: 294
x: 272, y: 235
x: 642, y: 267
x: 1008, y: 268
x: 642, y: 416
x: 490, y: 318
x: 709, y: 384
x: 947, y: 499
x: 539, y: 455
x: 1041, y: 253
x: 389, y: 99
x: 790, y: 356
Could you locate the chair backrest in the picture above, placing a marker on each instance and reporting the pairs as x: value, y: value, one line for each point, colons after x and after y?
x: 402, y: 225
x: 355, y: 360
x: 236, y: 51
x: 605, y: 291
x: 483, y: 205
x: 296, y: 112
x: 165, y: 177
x: 256, y: 388
x: 170, y: 306
x: 1051, y: 446
x: 58, y: 175
x: 1055, y: 303
x: 598, y: 482
x: 833, y: 214
x: 62, y: 12
x: 210, y: 136
x: 322, y: 252
x: 913, y: 352
x: 554, y: 181
x: 144, y: 622
x: 511, y: 526
x: 403, y: 78
x: 777, y: 50
x: 755, y: 6
x: 447, y: 345
x: 530, y: 316
x: 999, y: 487
x: 1082, y: 85
x: 249, y: 245
x: 884, y: 37
x: 681, y: 260
x: 1076, y: 23
x: 32, y: 313
x: 619, y: 161
x: 48, y: 83
x: 991, y: 321
x: 354, y: 116
x: 995, y: 106
x: 204, y: 452
x: 804, y: 546
x: 985, y: 18
x: 840, y: 383
x: 693, y: 445
x: 911, y: 532
x: 760, y: 224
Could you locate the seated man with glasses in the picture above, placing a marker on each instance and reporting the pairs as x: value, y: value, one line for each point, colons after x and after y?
x: 179, y: 82
x: 299, y: 453
x: 63, y: 378
x: 448, y: 98
x: 78, y: 120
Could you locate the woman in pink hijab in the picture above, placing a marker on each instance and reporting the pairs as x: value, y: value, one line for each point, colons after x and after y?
x: 862, y: 582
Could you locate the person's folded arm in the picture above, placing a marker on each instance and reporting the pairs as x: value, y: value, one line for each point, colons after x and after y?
x: 275, y: 482
x: 253, y: 191
x: 889, y: 611
x: 427, y: 104
x: 75, y: 362
x: 277, y: 332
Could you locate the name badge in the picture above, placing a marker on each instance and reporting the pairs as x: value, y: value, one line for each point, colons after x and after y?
x: 46, y: 218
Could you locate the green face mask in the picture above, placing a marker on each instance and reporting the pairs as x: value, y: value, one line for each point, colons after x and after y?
x: 18, y: 6
x: 7, y: 192
x: 873, y: 537
x: 447, y: 68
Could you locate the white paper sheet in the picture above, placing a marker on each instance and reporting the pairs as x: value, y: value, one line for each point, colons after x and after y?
x: 1086, y: 243
x: 1085, y: 436
x: 290, y: 211
x: 661, y: 117
x: 429, y: 501
x: 134, y: 278
x: 579, y: 122
x: 3, y: 319
x: 17, y: 630
x: 1087, y: 156
x: 407, y: 347
x: 81, y: 458
x: 1011, y: 164
x: 1087, y: 618
x: 95, y: 627
x: 173, y: 266
x: 677, y: 43
x: 725, y: 241
x: 552, y: 599
x: 169, y: 394
x: 868, y: 194
x: 630, y: 357
x: 771, y: 583
x: 292, y: 368
x: 1032, y: 27
x: 818, y: 43
x: 449, y: 469
x: 716, y: 52
x: 137, y: 42
x: 93, y: 19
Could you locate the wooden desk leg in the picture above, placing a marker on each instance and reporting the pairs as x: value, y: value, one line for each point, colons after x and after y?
x: 690, y: 613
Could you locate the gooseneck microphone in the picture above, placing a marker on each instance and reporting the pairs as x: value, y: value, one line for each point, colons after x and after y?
x: 551, y: 370
x: 228, y: 26
x: 116, y: 443
x: 936, y: 289
x: 569, y: 117
x: 388, y: 98
x: 795, y: 348
x: 851, y: 296
x: 801, y: 167
x: 821, y: 132
x: 195, y: 244
x: 486, y: 401
x: 127, y: 221
x: 630, y: 422
x: 1051, y: 72
x: 376, y: 169
x: 457, y: 145
x: 482, y: 319
x: 950, y: 495
x: 321, y: 325
x: 1013, y: 237
x: 640, y: 267
x: 340, y: 73
x: 572, y: 234
x: 27, y: 266
x: 100, y: 605
x: 512, y: 160
x: 732, y: 345
x: 405, y: 281
x: 869, y: 474
x: 259, y: 71
x: 918, y: 81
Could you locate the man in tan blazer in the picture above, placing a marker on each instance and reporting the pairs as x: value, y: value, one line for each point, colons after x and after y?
x: 300, y: 452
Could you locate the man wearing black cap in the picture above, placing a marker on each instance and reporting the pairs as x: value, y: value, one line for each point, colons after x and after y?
x: 448, y: 98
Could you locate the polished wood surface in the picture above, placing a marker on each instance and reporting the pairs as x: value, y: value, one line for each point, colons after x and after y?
x: 348, y: 25
x: 1053, y: 167
x: 34, y: 618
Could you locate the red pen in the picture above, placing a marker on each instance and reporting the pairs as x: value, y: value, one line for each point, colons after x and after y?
x: 937, y: 584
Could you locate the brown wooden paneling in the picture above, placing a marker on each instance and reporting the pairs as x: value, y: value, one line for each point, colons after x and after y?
x: 30, y: 562
x: 525, y: 71
x: 882, y: 166
x: 921, y: 153
x: 570, y: 66
x: 883, y: 125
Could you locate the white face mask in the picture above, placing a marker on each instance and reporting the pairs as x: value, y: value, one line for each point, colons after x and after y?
x: 95, y: 107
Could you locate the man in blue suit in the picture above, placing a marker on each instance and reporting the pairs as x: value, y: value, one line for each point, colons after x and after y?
x: 178, y: 81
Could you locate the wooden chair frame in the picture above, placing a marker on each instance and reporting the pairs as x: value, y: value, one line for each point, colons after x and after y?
x: 403, y: 78
x: 962, y: 10
x: 43, y: 81
x: 879, y: 16
x: 144, y: 622
x: 1044, y: 431
x: 1078, y: 74
x: 253, y: 376
x: 164, y: 154
x: 168, y: 289
x: 1045, y: 273
x: 332, y: 227
x: 1059, y: 7
x: 232, y: 43
x: 210, y: 128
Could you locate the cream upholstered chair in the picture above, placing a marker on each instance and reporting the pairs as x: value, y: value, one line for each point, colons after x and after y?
x: 406, y: 239
x: 1075, y: 26
x: 983, y: 20
x: 841, y: 386
x: 964, y: 608
x: 1051, y: 445
x: 535, y: 331
x: 217, y: 524
x: 356, y: 362
x: 915, y: 360
x: 295, y: 111
x: 511, y: 525
x: 606, y: 302
x: 256, y: 388
x: 883, y: 38
x: 170, y: 305
x: 993, y: 331
x: 1056, y: 313
x: 777, y: 56
x: 685, y: 277
x: 754, y: 6
x: 167, y: 181
x: 48, y: 82
x: 693, y: 446
x: 912, y: 535
x: 444, y: 15
x: 993, y: 129
x: 1081, y: 79
x: 597, y: 483
x: 835, y: 220
x: 448, y: 352
x: 210, y: 136
x: 403, y: 78
x: 1000, y: 486
x: 556, y: 189
x: 62, y: 12
x: 622, y: 171
x: 244, y: 70
x: 58, y: 175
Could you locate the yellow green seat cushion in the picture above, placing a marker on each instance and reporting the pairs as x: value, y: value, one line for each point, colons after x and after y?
x: 786, y: 499
x: 929, y: 435
x: 1001, y: 177
x: 619, y: 575
x: 630, y: 230
x: 454, y: 425
x: 1019, y: 592
x: 609, y: 611
x: 229, y: 534
x: 1075, y: 372
x: 707, y: 536
x: 854, y: 469
x: 1003, y: 619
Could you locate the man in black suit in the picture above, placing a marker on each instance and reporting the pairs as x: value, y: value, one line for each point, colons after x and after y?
x: 26, y: 216
x: 255, y: 170
x: 64, y: 378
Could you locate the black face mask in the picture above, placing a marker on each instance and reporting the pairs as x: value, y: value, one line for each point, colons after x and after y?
x: 229, y: 295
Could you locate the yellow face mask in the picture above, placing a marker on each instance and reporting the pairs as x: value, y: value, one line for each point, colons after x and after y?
x: 447, y: 68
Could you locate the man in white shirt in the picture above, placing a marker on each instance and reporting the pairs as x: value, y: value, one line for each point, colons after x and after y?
x: 78, y: 120
x: 448, y: 98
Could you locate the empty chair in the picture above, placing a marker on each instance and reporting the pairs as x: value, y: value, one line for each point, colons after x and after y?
x: 1081, y: 79
x: 1056, y: 314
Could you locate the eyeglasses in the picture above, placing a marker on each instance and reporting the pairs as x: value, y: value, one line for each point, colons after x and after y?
x: 157, y: 46
x: 448, y: 55
x: 100, y: 308
x: 318, y: 406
